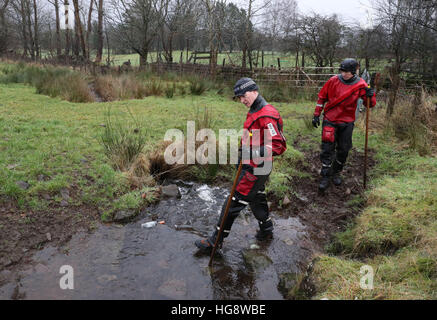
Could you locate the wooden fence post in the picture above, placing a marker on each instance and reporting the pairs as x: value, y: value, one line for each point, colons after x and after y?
x: 262, y: 59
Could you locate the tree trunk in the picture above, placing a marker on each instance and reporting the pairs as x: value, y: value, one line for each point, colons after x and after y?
x: 35, y: 28
x: 27, y: 21
x: 3, y: 29
x: 80, y: 41
x: 58, y: 30
x: 29, y: 30
x: 143, y: 58
x: 100, y: 33
x: 23, y: 28
x: 88, y: 32
x: 67, y: 31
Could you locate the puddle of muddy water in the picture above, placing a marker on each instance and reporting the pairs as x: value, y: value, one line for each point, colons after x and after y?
x: 130, y: 262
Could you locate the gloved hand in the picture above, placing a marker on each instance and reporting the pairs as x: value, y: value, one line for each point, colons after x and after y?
x: 250, y: 153
x: 370, y: 92
x: 257, y: 152
x: 316, y: 121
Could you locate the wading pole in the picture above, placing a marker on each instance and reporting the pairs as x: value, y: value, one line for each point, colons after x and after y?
x: 228, y: 204
x: 367, y: 137
x: 367, y: 131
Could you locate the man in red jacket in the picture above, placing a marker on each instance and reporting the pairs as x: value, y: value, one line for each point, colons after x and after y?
x: 338, y: 99
x: 262, y: 139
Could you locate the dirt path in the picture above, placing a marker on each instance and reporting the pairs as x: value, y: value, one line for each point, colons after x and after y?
x: 327, y: 213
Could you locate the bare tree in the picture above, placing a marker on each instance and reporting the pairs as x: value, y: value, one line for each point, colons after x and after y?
x: 179, y: 20
x: 88, y: 30
x: 139, y: 23
x: 410, y: 26
x: 253, y: 11
x: 4, y: 31
x: 55, y: 3
x: 322, y: 37
x: 212, y: 9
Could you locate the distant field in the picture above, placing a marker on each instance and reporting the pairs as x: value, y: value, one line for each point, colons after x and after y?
x: 270, y: 58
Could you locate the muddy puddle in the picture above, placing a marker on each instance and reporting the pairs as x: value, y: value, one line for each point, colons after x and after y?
x: 131, y: 262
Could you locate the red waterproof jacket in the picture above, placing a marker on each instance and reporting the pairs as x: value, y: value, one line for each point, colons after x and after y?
x: 263, y: 117
x: 344, y: 111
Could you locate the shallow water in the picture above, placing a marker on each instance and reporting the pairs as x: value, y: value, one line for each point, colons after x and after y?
x: 130, y: 262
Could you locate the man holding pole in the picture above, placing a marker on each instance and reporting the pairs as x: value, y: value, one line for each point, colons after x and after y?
x: 262, y: 139
x: 338, y: 100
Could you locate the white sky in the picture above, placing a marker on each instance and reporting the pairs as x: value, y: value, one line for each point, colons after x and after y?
x: 348, y: 10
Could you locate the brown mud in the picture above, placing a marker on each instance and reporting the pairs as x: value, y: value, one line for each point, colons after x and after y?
x: 328, y: 212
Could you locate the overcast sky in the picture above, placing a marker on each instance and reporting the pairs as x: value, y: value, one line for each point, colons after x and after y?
x: 349, y: 10
x: 357, y: 11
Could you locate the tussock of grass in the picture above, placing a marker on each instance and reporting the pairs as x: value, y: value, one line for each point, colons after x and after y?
x: 407, y: 275
x: 199, y: 85
x: 413, y: 123
x: 122, y: 141
x: 124, y: 87
x: 51, y: 81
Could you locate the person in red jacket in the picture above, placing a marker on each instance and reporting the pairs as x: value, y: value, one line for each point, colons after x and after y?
x: 262, y: 139
x: 338, y: 100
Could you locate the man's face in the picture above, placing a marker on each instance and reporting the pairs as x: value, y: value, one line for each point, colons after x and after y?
x: 346, y: 74
x: 248, y: 98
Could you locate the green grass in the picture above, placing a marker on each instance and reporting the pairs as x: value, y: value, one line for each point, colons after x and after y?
x: 396, y: 233
x: 40, y: 135
x: 270, y: 58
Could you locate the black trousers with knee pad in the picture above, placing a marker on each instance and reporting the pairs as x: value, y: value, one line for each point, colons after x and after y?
x: 336, y: 144
x: 250, y: 191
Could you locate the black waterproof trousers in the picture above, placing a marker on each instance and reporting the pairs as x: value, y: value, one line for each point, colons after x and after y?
x: 336, y: 144
x: 250, y: 191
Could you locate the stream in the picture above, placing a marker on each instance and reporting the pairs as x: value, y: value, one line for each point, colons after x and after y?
x: 131, y: 262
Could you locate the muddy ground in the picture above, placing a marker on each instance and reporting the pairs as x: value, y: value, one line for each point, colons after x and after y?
x: 327, y: 213
x: 23, y: 233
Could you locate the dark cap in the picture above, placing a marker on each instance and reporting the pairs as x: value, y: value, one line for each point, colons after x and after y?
x: 244, y: 85
x: 350, y: 65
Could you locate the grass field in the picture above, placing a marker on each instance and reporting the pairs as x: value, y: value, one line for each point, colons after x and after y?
x: 60, y: 140
x: 52, y: 145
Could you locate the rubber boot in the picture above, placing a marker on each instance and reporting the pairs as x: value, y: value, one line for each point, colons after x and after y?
x: 265, y: 231
x: 206, y: 245
x: 324, y: 183
x: 336, y: 179
x: 336, y: 169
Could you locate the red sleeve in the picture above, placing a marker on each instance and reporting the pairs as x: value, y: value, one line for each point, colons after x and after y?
x: 323, y: 97
x: 278, y: 145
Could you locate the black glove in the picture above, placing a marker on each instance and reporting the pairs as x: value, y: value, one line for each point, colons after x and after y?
x: 257, y: 152
x: 316, y: 121
x: 370, y: 92
x: 249, y: 153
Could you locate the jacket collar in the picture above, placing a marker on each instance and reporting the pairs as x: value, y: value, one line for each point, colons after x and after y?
x: 352, y: 80
x: 258, y: 104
